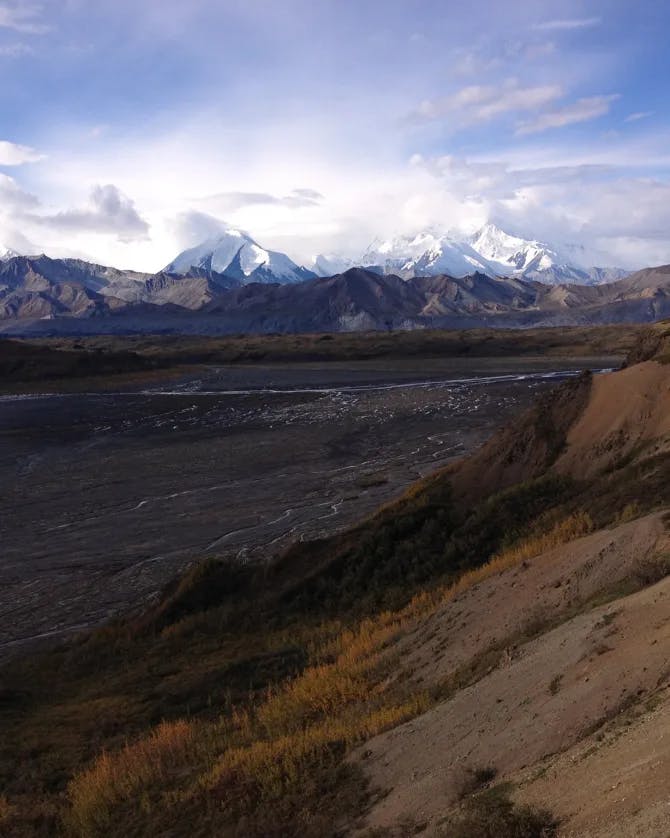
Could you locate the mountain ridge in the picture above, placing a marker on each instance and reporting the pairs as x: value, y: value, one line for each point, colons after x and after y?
x: 489, y: 250
x: 234, y: 253
x: 237, y: 255
x: 69, y: 296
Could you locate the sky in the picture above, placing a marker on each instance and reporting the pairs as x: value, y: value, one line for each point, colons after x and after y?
x: 131, y: 130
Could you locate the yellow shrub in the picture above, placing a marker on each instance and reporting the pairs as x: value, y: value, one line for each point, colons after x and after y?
x: 268, y: 769
x: 629, y: 513
x: 115, y: 777
x: 265, y: 752
x: 570, y: 528
x: 327, y: 689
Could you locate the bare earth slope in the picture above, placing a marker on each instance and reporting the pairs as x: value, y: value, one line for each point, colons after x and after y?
x: 565, y: 654
x: 620, y: 420
x: 545, y: 693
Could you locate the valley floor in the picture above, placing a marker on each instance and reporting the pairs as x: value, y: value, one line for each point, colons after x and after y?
x: 107, y: 495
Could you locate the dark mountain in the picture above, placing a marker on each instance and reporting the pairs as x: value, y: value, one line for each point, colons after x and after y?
x: 357, y: 300
x: 68, y: 296
x: 41, y: 287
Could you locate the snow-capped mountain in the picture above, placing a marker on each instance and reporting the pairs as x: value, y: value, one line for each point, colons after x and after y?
x: 510, y: 254
x: 235, y: 254
x: 427, y: 253
x: 514, y: 256
x: 490, y: 251
x: 7, y: 253
x: 329, y: 264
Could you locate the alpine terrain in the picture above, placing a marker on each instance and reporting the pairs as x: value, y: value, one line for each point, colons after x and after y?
x: 490, y: 251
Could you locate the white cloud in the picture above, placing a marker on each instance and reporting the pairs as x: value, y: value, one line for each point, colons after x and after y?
x: 192, y: 227
x: 567, y: 24
x: 634, y: 117
x: 226, y: 202
x: 23, y: 17
x: 582, y: 110
x: 12, y: 197
x: 481, y: 103
x: 551, y: 203
x: 109, y: 212
x: 12, y: 154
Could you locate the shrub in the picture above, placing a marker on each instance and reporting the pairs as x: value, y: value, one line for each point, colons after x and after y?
x: 652, y: 569
x: 114, y: 778
x: 629, y: 512
x: 555, y: 684
x: 493, y: 815
x: 575, y: 526
x: 475, y: 779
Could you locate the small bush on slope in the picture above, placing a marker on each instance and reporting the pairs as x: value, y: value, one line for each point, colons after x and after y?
x: 492, y: 814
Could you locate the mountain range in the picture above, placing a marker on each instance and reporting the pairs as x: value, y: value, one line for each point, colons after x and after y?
x: 45, y: 296
x: 489, y: 251
x: 229, y: 283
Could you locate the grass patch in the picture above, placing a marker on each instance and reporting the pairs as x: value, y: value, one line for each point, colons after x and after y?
x: 6, y: 809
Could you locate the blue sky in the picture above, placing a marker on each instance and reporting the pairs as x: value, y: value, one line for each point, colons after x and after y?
x: 129, y: 130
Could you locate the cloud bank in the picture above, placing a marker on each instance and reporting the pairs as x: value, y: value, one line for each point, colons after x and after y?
x: 320, y: 126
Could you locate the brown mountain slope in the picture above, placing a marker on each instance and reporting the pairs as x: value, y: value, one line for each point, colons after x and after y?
x: 555, y: 671
x: 553, y: 679
x: 355, y: 300
x: 628, y: 414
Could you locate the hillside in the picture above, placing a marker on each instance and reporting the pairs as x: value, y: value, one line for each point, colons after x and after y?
x: 485, y: 654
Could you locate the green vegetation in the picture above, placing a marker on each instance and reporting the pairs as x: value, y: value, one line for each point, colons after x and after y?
x: 25, y: 362
x: 555, y: 684
x: 476, y: 779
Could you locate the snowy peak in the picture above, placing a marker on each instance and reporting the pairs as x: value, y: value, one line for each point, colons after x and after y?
x: 512, y: 254
x: 7, y: 253
x: 425, y: 254
x: 490, y: 251
x: 235, y: 254
x: 330, y: 264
